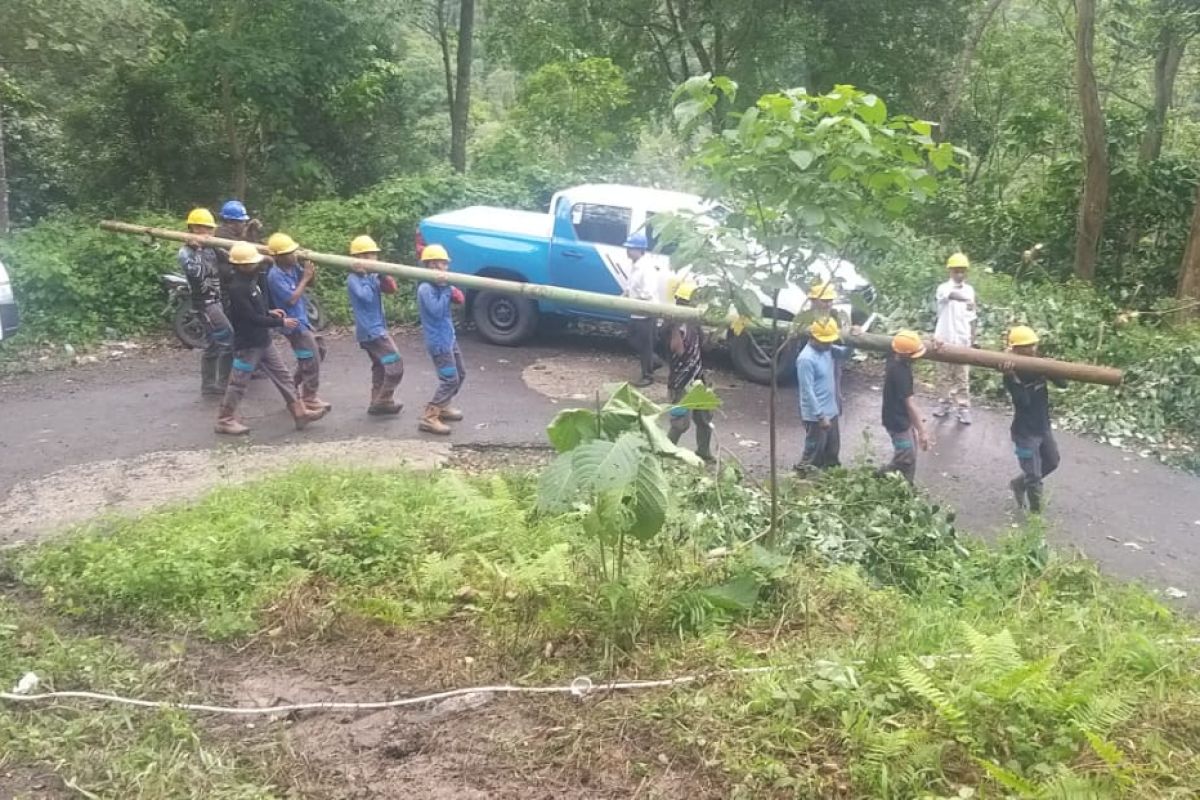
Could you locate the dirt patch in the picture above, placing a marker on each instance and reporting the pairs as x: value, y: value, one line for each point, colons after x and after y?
x: 471, y: 747
x: 31, y: 784
x: 477, y: 459
x: 578, y: 378
x: 36, y: 508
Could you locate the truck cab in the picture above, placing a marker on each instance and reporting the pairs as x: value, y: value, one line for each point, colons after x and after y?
x: 579, y: 244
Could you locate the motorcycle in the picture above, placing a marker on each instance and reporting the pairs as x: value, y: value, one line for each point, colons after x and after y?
x: 188, y: 323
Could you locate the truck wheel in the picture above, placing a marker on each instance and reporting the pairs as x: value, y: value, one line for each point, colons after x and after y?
x: 752, y: 360
x: 503, y: 319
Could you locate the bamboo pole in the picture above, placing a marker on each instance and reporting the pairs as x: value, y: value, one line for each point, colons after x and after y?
x: 1049, y: 367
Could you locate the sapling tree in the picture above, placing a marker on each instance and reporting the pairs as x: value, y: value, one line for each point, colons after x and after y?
x: 805, y: 178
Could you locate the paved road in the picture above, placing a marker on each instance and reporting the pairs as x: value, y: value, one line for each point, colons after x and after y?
x: 1136, y: 517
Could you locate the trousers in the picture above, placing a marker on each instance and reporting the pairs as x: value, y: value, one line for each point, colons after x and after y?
x: 245, y: 362
x: 681, y: 420
x: 387, y: 368
x: 954, y: 384
x: 1037, y: 457
x: 641, y: 336
x: 822, y: 446
x: 904, y: 456
x: 450, y: 374
x: 309, y: 349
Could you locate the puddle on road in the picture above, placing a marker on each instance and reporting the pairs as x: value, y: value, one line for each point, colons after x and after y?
x: 39, y: 507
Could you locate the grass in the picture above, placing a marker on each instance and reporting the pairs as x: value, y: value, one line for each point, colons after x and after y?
x: 912, y: 663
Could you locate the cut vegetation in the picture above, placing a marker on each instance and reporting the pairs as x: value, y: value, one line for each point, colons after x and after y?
x: 907, y: 662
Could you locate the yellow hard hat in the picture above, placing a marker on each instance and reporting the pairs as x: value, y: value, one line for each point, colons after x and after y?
x: 280, y: 244
x: 908, y: 343
x: 434, y: 252
x: 201, y: 216
x: 825, y: 330
x: 244, y: 253
x: 684, y: 291
x: 363, y: 244
x: 1022, y: 335
x: 822, y: 291
x: 958, y: 261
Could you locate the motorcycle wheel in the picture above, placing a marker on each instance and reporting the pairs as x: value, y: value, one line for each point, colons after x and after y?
x: 315, y: 317
x: 189, y: 327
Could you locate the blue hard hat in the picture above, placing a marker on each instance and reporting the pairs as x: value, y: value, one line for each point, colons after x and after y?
x: 233, y: 209
x: 637, y: 241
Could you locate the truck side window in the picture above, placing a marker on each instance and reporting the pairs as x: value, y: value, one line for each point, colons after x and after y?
x: 601, y: 224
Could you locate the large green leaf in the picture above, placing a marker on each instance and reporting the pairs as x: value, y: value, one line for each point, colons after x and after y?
x: 571, y: 428
x: 736, y: 594
x: 649, y: 499
x: 661, y: 444
x: 628, y: 401
x: 601, y: 466
x: 557, y: 488
x: 700, y: 398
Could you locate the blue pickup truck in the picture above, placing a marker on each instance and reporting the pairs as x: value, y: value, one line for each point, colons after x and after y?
x: 579, y: 245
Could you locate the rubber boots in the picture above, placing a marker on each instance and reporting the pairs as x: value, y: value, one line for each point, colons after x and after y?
x: 431, y: 421
x: 302, y: 415
x: 450, y: 414
x: 228, y: 424
x: 209, y: 385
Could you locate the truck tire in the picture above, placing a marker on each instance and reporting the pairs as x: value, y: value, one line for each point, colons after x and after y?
x: 752, y: 359
x: 503, y: 319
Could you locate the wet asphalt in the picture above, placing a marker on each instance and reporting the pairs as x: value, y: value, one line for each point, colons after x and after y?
x: 1138, y: 519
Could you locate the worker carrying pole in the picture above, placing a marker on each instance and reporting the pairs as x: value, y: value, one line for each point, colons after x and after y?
x: 1086, y: 373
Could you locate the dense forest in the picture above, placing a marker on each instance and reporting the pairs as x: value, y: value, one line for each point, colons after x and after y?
x: 1080, y: 117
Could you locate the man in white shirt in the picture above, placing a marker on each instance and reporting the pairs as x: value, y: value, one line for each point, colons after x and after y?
x: 956, y: 316
x: 643, y: 285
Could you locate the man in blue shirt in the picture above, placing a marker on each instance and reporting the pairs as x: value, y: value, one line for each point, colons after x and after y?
x: 366, y: 290
x: 437, y: 324
x: 287, y: 282
x: 819, y: 407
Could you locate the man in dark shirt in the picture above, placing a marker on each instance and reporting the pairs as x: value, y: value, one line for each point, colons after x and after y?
x: 252, y: 324
x: 901, y: 417
x: 199, y: 264
x: 684, y: 370
x: 1032, y: 436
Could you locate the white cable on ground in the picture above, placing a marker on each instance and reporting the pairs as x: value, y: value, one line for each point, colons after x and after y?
x: 580, y: 687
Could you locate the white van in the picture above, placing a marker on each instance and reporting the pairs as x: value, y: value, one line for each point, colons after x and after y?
x: 10, y: 318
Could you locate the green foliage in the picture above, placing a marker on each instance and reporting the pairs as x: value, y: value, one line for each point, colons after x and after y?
x: 581, y: 107
x: 108, y: 751
x: 74, y: 282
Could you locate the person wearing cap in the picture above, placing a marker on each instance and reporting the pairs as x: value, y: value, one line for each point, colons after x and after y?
x: 434, y: 299
x: 287, y: 282
x: 253, y: 347
x: 816, y: 376
x: 901, y: 417
x: 235, y: 224
x: 684, y: 370
x: 366, y: 290
x: 821, y: 297
x: 199, y: 264
x: 956, y: 320
x: 1032, y: 433
x: 643, y: 285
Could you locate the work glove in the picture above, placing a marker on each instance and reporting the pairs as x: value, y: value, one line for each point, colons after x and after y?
x: 456, y: 296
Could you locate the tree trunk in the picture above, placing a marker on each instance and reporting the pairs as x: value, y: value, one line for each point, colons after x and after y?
x: 1094, y: 201
x: 460, y: 110
x: 237, y: 152
x: 1166, y: 67
x: 1189, y: 271
x: 441, y: 29
x: 4, y: 216
x: 967, y: 57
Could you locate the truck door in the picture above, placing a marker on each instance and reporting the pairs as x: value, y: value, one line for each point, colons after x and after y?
x: 587, y: 250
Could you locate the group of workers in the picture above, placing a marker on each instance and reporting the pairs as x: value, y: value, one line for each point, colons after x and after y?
x: 243, y: 296
x: 819, y: 380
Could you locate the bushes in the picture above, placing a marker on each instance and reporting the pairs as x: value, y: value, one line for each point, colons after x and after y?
x: 74, y: 282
